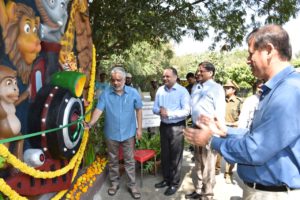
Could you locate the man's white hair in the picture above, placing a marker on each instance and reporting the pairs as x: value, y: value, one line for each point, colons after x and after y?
x: 119, y: 70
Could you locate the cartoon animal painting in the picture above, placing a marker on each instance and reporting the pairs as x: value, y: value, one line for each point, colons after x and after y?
x: 20, y: 34
x: 79, y: 26
x: 10, y: 125
x: 54, y: 17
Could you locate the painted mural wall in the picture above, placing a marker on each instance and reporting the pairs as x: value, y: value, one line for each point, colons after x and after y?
x: 46, y: 84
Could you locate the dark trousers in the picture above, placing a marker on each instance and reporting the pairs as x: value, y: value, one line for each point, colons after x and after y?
x: 171, y: 142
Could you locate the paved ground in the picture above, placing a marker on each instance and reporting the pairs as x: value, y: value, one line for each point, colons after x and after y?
x: 222, y: 190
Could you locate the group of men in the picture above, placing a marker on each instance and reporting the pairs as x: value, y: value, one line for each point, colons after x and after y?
x: 267, y: 151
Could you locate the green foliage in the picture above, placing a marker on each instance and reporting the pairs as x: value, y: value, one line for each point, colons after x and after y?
x: 142, y: 60
x: 150, y: 141
x: 119, y: 24
x: 2, y: 162
x: 185, y: 64
x: 89, y: 156
x: 229, y: 65
x: 96, y: 144
x: 149, y: 166
x: 296, y: 62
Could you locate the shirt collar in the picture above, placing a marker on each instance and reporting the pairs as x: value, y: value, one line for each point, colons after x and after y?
x: 232, y: 98
x: 270, y: 84
x: 273, y: 82
x: 175, y: 87
x: 209, y: 81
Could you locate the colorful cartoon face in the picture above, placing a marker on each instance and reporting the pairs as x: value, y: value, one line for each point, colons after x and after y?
x: 56, y: 10
x: 54, y: 15
x: 9, y: 91
x: 28, y: 40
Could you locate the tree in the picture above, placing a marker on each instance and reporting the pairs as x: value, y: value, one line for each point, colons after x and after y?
x: 142, y: 60
x: 119, y: 24
x: 229, y: 65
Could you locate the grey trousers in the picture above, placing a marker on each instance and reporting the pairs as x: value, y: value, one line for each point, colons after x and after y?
x: 204, y: 171
x: 113, y: 161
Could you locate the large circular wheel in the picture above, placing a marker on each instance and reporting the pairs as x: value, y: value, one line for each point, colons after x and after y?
x: 58, y: 109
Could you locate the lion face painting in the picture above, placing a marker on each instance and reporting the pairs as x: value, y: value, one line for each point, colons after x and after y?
x: 20, y: 34
x: 28, y: 43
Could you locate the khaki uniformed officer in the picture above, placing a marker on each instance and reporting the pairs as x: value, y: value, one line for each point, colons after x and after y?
x: 233, y: 108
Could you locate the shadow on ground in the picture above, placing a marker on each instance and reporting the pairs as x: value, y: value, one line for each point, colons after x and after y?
x: 222, y: 190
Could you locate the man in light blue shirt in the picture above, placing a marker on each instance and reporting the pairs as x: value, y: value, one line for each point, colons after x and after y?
x: 268, y: 154
x: 123, y: 121
x: 209, y: 101
x: 172, y: 103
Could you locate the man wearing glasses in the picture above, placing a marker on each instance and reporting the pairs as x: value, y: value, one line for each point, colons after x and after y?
x: 210, y: 100
x: 268, y: 153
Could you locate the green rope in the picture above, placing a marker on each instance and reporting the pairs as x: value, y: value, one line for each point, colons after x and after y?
x: 25, y: 136
x: 79, y: 129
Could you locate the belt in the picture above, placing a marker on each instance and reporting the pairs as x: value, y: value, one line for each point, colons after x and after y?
x: 273, y: 188
x: 180, y: 123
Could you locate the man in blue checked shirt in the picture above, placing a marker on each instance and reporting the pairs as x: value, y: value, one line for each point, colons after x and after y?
x: 123, y: 121
x: 268, y: 154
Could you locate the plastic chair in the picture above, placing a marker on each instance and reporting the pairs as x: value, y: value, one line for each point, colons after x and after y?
x: 141, y: 156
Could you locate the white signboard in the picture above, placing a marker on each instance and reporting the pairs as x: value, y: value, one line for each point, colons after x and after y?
x: 149, y: 119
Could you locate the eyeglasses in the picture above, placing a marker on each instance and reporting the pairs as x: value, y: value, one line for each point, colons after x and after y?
x: 228, y: 87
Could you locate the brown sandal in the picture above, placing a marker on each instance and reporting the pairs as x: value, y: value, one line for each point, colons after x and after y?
x: 113, y: 190
x: 134, y: 193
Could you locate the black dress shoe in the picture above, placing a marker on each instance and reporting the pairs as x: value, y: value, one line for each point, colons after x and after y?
x: 161, y: 184
x: 193, y: 195
x: 170, y: 190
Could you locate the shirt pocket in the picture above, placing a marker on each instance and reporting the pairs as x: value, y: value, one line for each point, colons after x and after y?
x: 174, y: 102
x: 235, y: 113
x: 127, y: 106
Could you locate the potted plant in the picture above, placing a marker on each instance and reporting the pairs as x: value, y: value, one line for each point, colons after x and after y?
x: 150, y: 141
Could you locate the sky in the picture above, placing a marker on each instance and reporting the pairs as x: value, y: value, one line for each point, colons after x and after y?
x: 189, y: 45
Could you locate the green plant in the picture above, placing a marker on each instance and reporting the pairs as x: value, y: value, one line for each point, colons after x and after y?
x: 2, y: 162
x: 150, y: 141
x: 96, y: 144
x: 2, y: 196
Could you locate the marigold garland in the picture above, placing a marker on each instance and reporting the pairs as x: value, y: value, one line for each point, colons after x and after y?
x: 5, y: 189
x: 87, y: 117
x: 90, y: 98
x: 23, y: 167
x: 87, y: 179
x: 73, y: 164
